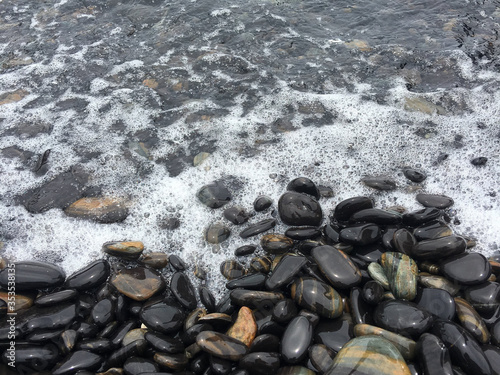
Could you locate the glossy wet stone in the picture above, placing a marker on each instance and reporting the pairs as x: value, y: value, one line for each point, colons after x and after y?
x: 183, y: 290
x: 255, y: 298
x: 164, y: 343
x: 79, y: 360
x: 302, y: 233
x: 376, y: 216
x: 284, y: 311
x: 439, y: 248
x: 119, y: 356
x: 245, y: 250
x: 103, y: 312
x: 438, y: 302
x: 137, y: 365
x: 414, y: 175
x: 492, y: 353
x: 56, y: 298
x: 156, y: 260
x: 419, y: 217
x: 334, y: 333
x: 321, y: 357
x: 260, y: 363
x: 173, y: 362
x: 432, y: 230
x: 162, y: 317
x: 138, y: 283
x: 32, y: 357
x: 433, y: 355
x: 100, y: 209
x: 401, y: 272
x: 439, y: 282
x: 276, y: 243
x: 403, y: 241
x: 32, y: 276
x: 296, y: 340
x: 217, y: 233
x: 369, y: 253
x: 265, y: 343
x: 402, y: 317
x: 257, y: 228
x: 337, y: 267
x: 369, y: 355
x: 285, y: 271
x: 377, y: 273
x: 361, y: 312
x: 261, y: 264
x: 299, y: 209
x: 244, y: 328
x: 360, y: 234
x: 231, y: 269
x: 472, y: 321
x: 220, y: 366
x: 236, y: 215
x: 54, y: 317
x: 131, y: 250
x: 119, y: 334
x: 98, y: 346
x: 485, y: 297
x: 345, y: 209
x: 262, y: 203
x: 17, y: 303
x: 303, y: 185
x: 177, y: 263
x: 317, y: 297
x: 214, y: 195
x: 254, y: 281
x: 221, y: 345
x: 372, y: 292
x: 466, y: 269
x: 434, y: 200
x: 463, y: 348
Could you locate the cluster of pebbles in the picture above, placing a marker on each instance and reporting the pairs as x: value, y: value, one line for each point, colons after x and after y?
x: 374, y: 291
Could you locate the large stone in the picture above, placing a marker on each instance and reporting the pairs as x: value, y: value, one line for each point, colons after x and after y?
x: 299, y: 209
x: 138, y: 283
x: 100, y: 209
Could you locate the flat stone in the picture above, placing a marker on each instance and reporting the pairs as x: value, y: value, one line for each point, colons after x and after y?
x: 138, y: 283
x: 99, y: 209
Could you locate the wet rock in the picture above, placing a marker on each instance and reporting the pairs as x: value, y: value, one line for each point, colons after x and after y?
x: 173, y: 362
x: 231, y: 269
x: 296, y: 340
x: 90, y: 276
x: 317, y: 297
x: 348, y: 207
x: 321, y: 357
x: 433, y: 281
x: 130, y: 250
x: 360, y: 234
x: 254, y: 281
x: 155, y: 260
x: 492, y: 354
x: 32, y: 276
x: 433, y: 356
x: 284, y: 311
x: 432, y: 230
x: 245, y: 250
x: 276, y: 243
x: 79, y: 360
x: 361, y: 312
x: 403, y: 241
x: 472, y: 321
x: 260, y: 363
x: 434, y: 200
x: 414, y: 175
x: 299, y: 209
x: 183, y: 290
x: 33, y: 357
x: 485, y: 297
x: 466, y: 268
x: 337, y: 267
x: 177, y: 263
x: 100, y: 209
x: 422, y: 216
x: 244, y: 328
x: 439, y: 248
x: 302, y: 233
x: 372, y: 292
x: 222, y: 346
x: 103, y: 312
x: 377, y: 273
x: 379, y: 183
x: 56, y: 298
x: 401, y: 272
x: 214, y: 195
x: 285, y: 271
x: 164, y: 343
x: 162, y: 317
x: 438, y: 302
x: 304, y: 185
x: 257, y: 228
x: 262, y: 203
x: 137, y: 365
x: 236, y: 215
x: 138, y: 283
x: 265, y: 343
x: 479, y: 161
x: 255, y: 298
x: 376, y: 216
x: 217, y: 233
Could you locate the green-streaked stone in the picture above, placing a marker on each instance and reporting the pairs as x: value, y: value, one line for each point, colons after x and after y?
x: 369, y: 355
x: 318, y: 297
x: 377, y: 273
x: 405, y: 346
x: 471, y: 320
x: 438, y: 282
x: 222, y: 346
x: 402, y: 272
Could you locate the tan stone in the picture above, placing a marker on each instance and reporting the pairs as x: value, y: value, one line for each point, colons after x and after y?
x: 12, y: 97
x: 151, y: 83
x: 358, y: 44
x: 138, y: 283
x: 100, y: 209
x: 21, y: 302
x: 419, y: 104
x: 245, y: 327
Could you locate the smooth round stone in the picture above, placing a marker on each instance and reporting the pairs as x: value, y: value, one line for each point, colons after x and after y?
x: 119, y: 356
x: 472, y: 321
x: 302, y: 233
x: 207, y: 298
x: 485, y: 298
x: 255, y: 298
x: 34, y: 357
x: 236, y: 215
x: 439, y: 248
x: 345, y: 209
x: 100, y: 209
x: 262, y: 203
x: 406, y: 347
x: 245, y: 250
x: 434, y: 200
x: 183, y: 290
x: 401, y: 272
x: 402, y: 317
x: 276, y: 243
x: 361, y: 312
x: 220, y: 366
x: 76, y: 361
x: 464, y: 349
x: 377, y: 273
x: 173, y: 362
x: 56, y: 298
x: 433, y: 355
x: 137, y: 365
x: 432, y: 230
x: 260, y: 363
x: 304, y: 185
x: 387, y: 238
x: 337, y: 267
x: 231, y: 269
x: 403, y: 241
x: 419, y: 217
x: 317, y: 296
x: 254, y: 281
x: 284, y: 311
x: 32, y: 276
x: 138, y: 283
x: 217, y: 233
x: 257, y: 228
x: 222, y: 346
x: 376, y: 216
x: 439, y: 282
x: 379, y: 183
x: 214, y: 195
x: 103, y: 312
x: 414, y: 175
x: 334, y: 333
x: 285, y: 271
x: 372, y: 292
x: 438, y: 302
x: 177, y: 263
x: 492, y: 353
x: 90, y: 276
x: 244, y: 328
x: 360, y: 234
x: 321, y: 357
x: 131, y: 250
x: 49, y: 318
x: 157, y: 260
x: 265, y: 343
x: 296, y: 340
x: 164, y: 343
x: 162, y: 317
x: 369, y: 355
x: 466, y: 269
x: 299, y: 209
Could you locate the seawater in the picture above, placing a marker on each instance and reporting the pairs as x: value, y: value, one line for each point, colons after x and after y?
x: 132, y: 91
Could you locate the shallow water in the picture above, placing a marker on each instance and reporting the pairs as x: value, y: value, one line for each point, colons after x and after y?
x: 131, y: 92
